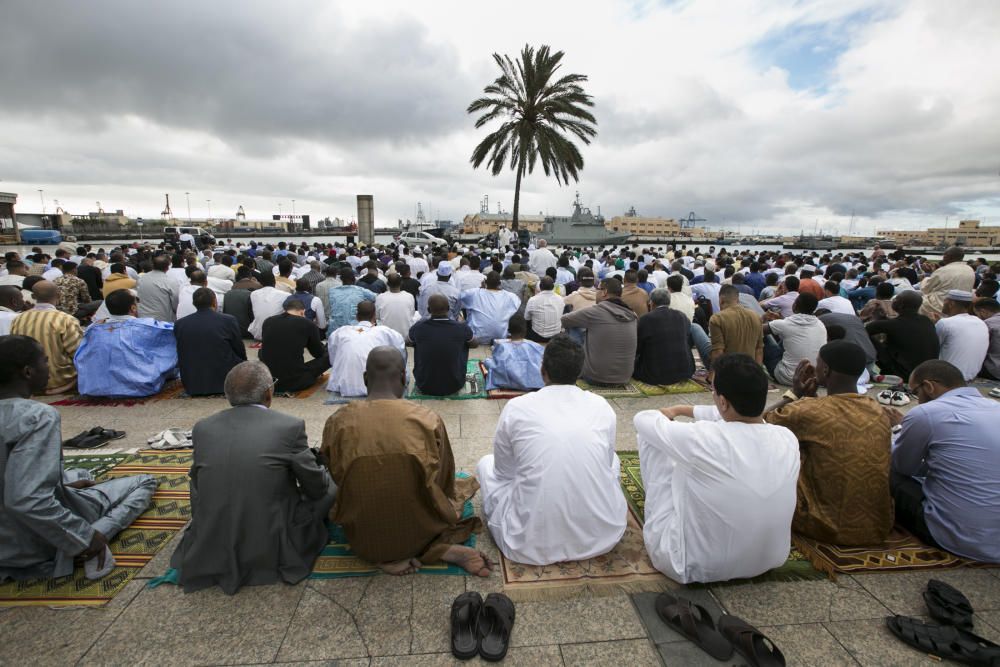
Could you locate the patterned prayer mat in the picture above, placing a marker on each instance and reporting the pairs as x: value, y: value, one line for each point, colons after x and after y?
x: 337, y: 560
x: 308, y: 391
x: 465, y: 393
x: 627, y: 390
x: 797, y: 568
x: 901, y: 551
x: 626, y: 568
x: 171, y: 389
x: 684, y: 387
x: 133, y: 548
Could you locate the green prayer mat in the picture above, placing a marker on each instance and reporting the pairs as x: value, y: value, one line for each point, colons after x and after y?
x: 796, y: 568
x: 471, y: 368
x: 682, y: 387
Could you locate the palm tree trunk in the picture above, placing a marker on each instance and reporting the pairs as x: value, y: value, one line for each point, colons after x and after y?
x: 517, y: 197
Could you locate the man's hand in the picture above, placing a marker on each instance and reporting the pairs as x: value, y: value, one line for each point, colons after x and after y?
x: 894, y: 416
x: 81, y: 484
x: 770, y: 316
x: 675, y: 411
x: 97, y: 544
x: 804, y: 381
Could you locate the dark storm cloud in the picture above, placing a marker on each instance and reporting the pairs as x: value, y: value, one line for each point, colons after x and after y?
x: 246, y: 75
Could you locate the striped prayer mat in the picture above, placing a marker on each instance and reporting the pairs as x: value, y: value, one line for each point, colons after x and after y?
x: 797, y: 568
x: 134, y: 547
x: 683, y: 387
x: 465, y: 393
x: 171, y: 389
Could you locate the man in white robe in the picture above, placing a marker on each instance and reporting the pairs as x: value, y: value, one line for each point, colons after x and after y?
x: 551, y: 489
x: 349, y: 346
x: 265, y: 302
x: 720, y: 493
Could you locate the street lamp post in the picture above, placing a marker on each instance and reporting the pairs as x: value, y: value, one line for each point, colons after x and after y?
x: 41, y: 196
x: 209, y: 202
x: 187, y: 195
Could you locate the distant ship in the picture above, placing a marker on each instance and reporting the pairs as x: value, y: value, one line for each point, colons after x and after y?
x: 812, y: 243
x: 583, y: 228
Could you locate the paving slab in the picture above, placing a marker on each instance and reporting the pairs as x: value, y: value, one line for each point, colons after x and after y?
x: 430, y: 621
x: 871, y: 644
x: 532, y: 656
x: 44, y: 636
x: 809, y: 644
x: 383, y: 615
x: 575, y: 621
x: 902, y: 592
x: 346, y: 591
x: 785, y: 603
x: 321, y: 628
x: 166, y: 626
x: 633, y: 652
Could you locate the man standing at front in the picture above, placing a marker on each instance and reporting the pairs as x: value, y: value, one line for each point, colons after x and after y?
x: 720, y: 493
x: 551, y: 489
x: 258, y: 494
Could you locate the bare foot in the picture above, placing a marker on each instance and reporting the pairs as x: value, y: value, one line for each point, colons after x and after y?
x: 401, y: 567
x: 472, y: 561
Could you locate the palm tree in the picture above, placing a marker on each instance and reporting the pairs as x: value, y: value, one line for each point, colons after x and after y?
x: 538, y: 112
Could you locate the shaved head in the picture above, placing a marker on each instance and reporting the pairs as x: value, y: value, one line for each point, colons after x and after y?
x: 385, y: 373
x: 45, y: 292
x: 366, y: 312
x: 438, y: 305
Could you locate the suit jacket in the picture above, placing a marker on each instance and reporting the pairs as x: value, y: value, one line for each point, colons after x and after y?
x: 251, y: 524
x: 209, y: 344
x: 237, y: 303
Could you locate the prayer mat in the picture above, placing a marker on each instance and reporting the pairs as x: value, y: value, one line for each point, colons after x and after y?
x: 796, y: 568
x: 308, y: 391
x: 133, y: 548
x: 97, y: 464
x: 337, y: 560
x: 171, y: 389
x: 627, y: 390
x: 465, y: 393
x: 498, y: 394
x: 624, y: 569
x: 684, y: 387
x: 254, y: 346
x: 901, y: 551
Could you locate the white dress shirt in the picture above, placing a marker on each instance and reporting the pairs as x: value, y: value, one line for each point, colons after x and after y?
x: 539, y: 260
x: 265, y: 302
x: 544, y: 311
x: 395, y: 310
x: 965, y: 340
x: 719, y: 495
x: 465, y: 278
x: 179, y: 275
x: 348, y: 348
x: 6, y: 317
x: 836, y: 304
x: 551, y: 490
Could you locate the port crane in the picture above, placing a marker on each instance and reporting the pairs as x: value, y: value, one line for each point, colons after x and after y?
x: 690, y: 220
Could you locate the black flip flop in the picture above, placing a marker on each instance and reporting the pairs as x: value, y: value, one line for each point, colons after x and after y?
x: 944, y: 641
x: 751, y: 643
x: 495, y: 623
x: 464, y: 625
x: 947, y: 605
x: 694, y: 622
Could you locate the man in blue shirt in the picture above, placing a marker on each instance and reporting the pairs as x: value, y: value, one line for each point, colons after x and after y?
x: 515, y: 363
x: 946, y: 464
x: 344, y: 301
x: 488, y: 308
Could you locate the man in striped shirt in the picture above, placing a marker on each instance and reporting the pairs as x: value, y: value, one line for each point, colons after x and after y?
x: 58, y: 333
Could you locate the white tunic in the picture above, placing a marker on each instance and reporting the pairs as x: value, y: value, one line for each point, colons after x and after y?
x: 395, y: 310
x: 719, y: 495
x: 551, y: 489
x: 965, y: 341
x: 348, y: 348
x: 265, y: 302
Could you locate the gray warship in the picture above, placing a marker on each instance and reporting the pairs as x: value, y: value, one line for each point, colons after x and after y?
x: 583, y: 228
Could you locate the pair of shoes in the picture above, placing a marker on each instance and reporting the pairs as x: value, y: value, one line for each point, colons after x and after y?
x: 718, y: 640
x: 952, y: 639
x: 93, y: 438
x: 995, y: 392
x: 172, y: 438
x: 897, y: 398
x: 481, y: 627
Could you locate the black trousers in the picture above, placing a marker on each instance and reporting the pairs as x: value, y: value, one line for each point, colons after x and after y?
x: 908, y: 495
x: 306, y: 377
x: 531, y: 335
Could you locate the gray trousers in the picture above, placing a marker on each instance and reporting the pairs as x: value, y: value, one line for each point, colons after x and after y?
x: 112, y: 505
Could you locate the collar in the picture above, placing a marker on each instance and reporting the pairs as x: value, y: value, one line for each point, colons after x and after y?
x: 44, y: 306
x: 5, y: 309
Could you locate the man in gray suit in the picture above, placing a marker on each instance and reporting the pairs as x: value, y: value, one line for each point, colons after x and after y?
x: 158, y: 292
x: 258, y: 493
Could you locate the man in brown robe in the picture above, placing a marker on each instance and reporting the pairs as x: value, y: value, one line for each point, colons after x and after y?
x: 398, y: 499
x: 844, y: 440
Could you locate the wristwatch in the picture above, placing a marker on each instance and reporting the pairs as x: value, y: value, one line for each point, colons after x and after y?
x: 790, y: 395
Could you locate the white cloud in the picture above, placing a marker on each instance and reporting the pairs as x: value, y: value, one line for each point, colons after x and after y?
x: 248, y: 105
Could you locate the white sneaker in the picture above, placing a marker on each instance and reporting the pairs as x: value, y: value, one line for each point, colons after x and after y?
x: 900, y: 398
x: 91, y: 570
x: 885, y: 397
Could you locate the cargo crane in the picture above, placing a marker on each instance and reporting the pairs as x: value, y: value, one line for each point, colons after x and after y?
x: 166, y: 213
x: 690, y: 220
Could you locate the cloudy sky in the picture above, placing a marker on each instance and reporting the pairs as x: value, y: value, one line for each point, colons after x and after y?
x: 770, y: 116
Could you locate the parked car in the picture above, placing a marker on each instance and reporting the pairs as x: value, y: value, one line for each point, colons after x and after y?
x: 415, y: 238
x: 202, y: 239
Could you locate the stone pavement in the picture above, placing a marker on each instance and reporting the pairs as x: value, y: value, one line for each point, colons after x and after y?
x: 386, y: 620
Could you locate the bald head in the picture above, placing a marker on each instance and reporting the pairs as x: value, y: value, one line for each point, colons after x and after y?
x: 438, y: 305
x: 385, y: 373
x: 45, y: 292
